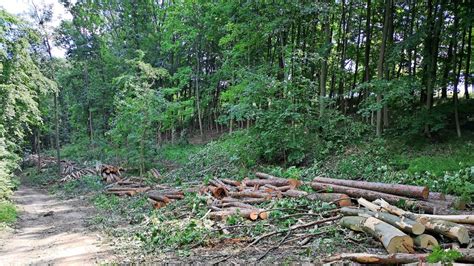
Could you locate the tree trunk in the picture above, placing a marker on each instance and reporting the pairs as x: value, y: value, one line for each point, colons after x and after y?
x: 468, y: 57
x: 368, y: 30
x: 380, y: 64
x: 324, y: 65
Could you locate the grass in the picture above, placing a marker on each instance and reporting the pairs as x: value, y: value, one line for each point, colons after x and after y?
x: 8, y: 213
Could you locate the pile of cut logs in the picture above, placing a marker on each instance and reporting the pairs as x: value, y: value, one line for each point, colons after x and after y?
x: 128, y: 187
x: 229, y: 197
x: 110, y: 173
x: 413, y: 196
x: 402, y: 231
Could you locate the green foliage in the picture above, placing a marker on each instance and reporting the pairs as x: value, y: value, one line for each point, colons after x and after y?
x: 8, y: 213
x: 446, y: 257
x: 231, y: 156
x: 106, y: 202
x: 88, y: 183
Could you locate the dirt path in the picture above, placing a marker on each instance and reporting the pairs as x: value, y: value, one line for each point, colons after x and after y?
x: 51, y: 231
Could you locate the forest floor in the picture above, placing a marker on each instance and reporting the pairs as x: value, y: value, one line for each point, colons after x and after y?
x: 51, y: 231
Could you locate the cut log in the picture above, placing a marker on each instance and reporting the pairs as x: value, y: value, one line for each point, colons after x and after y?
x: 278, y: 182
x: 446, y: 228
x: 342, y: 200
x: 218, y: 192
x: 460, y: 219
x: 367, y: 258
x: 436, y: 196
x: 230, y: 182
x: 250, y: 194
x: 369, y: 205
x: 404, y: 224
x: 396, y: 189
x: 394, y: 240
x: 425, y: 241
x: 295, y: 193
x: 236, y: 204
x: 251, y: 214
x: 400, y: 258
x: 373, y: 195
x: 264, y: 176
x: 159, y: 198
x: 175, y: 196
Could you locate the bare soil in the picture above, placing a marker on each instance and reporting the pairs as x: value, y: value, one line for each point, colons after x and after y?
x: 51, y: 231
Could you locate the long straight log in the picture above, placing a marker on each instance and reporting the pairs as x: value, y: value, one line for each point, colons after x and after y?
x: 249, y: 194
x: 400, y: 258
x: 342, y: 200
x: 404, y: 224
x: 396, y: 189
x: 367, y: 258
x: 251, y: 214
x: 373, y: 195
x: 394, y: 240
x: 460, y: 219
x: 278, y: 182
x: 295, y: 193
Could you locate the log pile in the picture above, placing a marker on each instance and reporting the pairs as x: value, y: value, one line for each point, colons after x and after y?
x: 155, y: 173
x: 127, y: 187
x: 401, y: 231
x: 230, y: 197
x: 417, y: 197
x: 78, y: 174
x: 110, y: 173
x: 160, y: 196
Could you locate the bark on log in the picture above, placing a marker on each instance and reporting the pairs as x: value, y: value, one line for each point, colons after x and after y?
x: 396, y: 189
x: 425, y: 241
x: 394, y: 240
x: 251, y: 214
x: 400, y: 258
x: 230, y: 182
x: 250, y: 194
x: 278, y: 182
x: 436, y: 196
x: 159, y: 198
x: 264, y: 176
x: 342, y: 200
x: 446, y: 228
x: 404, y: 224
x: 373, y: 195
x: 295, y: 193
x: 367, y: 258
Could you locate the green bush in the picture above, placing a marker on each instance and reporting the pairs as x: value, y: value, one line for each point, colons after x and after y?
x: 8, y: 212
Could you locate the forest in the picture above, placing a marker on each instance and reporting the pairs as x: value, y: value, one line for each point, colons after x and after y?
x: 242, y: 131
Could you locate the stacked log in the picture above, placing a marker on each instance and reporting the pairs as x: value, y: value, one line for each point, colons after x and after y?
x: 418, y: 197
x: 110, y: 173
x: 401, y: 231
x: 128, y: 188
x: 230, y: 197
x: 161, y: 197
